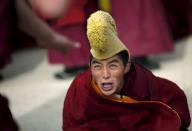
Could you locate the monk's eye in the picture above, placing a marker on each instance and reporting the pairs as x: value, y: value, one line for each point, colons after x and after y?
x: 96, y: 67
x: 113, y: 66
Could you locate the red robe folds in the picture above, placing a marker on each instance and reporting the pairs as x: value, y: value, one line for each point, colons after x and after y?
x: 148, y: 103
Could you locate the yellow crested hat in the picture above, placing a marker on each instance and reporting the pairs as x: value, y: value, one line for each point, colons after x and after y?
x: 102, y: 36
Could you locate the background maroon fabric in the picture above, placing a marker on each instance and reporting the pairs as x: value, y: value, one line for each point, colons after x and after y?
x: 77, y: 32
x: 142, y: 26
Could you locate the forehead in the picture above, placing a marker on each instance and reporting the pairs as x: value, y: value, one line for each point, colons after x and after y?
x: 114, y: 58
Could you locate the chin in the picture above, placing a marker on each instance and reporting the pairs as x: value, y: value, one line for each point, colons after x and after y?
x: 108, y: 93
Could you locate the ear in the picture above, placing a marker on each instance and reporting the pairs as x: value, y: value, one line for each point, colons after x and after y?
x: 127, y: 67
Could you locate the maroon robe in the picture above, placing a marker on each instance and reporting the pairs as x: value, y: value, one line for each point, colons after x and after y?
x: 7, y: 122
x: 155, y: 104
x: 142, y: 26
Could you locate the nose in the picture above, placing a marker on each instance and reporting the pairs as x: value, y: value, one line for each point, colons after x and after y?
x: 105, y: 73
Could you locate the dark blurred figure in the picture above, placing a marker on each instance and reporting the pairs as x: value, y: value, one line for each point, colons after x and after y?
x: 26, y: 20
x: 179, y: 14
x: 19, y: 14
x: 6, y: 26
x: 7, y: 122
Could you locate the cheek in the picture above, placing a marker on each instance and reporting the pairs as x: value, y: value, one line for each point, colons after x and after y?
x: 118, y: 75
x: 118, y: 80
x: 96, y: 75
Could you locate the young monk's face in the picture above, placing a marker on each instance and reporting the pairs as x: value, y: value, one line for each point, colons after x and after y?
x: 109, y: 74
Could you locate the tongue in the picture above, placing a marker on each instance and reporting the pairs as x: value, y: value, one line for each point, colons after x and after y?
x: 107, y: 87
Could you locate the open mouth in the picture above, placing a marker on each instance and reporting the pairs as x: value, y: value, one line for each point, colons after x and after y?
x: 107, y: 86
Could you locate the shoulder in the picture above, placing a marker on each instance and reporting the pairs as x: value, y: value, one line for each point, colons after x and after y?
x: 162, y: 87
x: 83, y: 77
x: 78, y: 89
x: 170, y: 91
x: 169, y: 85
x: 163, y: 83
x: 81, y: 81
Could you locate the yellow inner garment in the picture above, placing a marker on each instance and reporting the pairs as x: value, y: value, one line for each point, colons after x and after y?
x: 117, y: 98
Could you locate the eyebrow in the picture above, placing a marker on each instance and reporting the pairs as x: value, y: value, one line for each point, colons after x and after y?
x: 112, y: 61
x: 95, y: 62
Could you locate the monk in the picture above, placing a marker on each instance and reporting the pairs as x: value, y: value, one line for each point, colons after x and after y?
x: 116, y: 94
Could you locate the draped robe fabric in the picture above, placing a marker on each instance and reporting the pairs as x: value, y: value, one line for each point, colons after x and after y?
x: 148, y: 103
